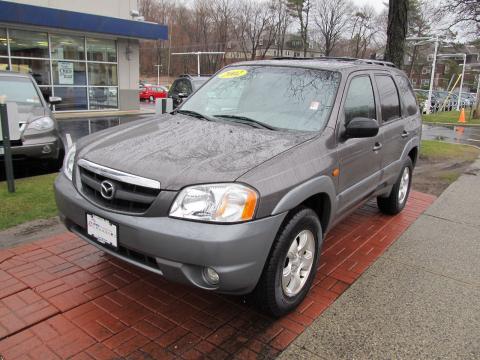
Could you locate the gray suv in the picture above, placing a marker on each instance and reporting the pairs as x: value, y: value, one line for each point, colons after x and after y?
x: 235, y: 190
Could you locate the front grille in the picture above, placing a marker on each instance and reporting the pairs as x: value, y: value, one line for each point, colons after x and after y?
x: 127, y: 197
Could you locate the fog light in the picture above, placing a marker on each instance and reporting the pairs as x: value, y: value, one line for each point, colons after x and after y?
x: 46, y: 149
x: 211, y: 275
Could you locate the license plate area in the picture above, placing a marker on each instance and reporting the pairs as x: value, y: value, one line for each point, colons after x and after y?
x: 102, y: 230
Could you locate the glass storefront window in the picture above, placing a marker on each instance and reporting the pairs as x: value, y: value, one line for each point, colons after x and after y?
x: 69, y: 73
x: 102, y: 50
x: 67, y: 47
x: 46, y: 92
x: 3, y: 63
x: 3, y: 42
x: 102, y: 74
x: 28, y: 43
x: 73, y: 98
x: 103, y: 98
x: 39, y: 69
x: 82, y: 71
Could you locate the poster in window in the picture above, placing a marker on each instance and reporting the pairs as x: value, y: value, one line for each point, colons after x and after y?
x: 65, y: 73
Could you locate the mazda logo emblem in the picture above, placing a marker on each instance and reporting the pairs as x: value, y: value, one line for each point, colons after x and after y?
x: 107, y: 189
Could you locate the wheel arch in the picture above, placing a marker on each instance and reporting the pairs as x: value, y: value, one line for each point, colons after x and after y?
x: 317, y: 193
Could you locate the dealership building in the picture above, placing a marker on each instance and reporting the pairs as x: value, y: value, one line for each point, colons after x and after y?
x: 86, y: 52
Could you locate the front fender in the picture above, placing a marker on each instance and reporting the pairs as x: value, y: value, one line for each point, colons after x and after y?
x: 297, y: 195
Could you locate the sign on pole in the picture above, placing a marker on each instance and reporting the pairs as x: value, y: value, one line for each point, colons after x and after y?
x: 6, y: 150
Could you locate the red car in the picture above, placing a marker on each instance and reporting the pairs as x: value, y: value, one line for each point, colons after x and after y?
x: 152, y: 92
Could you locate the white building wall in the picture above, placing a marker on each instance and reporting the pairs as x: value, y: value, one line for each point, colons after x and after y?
x: 113, y: 8
x: 128, y: 74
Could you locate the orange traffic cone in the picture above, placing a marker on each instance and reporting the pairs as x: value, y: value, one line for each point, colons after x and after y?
x: 461, y: 118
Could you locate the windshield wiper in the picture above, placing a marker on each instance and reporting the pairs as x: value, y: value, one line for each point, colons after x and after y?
x: 195, y: 114
x: 247, y: 121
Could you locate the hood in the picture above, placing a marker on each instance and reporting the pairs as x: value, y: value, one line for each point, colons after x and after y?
x: 178, y: 150
x: 28, y: 113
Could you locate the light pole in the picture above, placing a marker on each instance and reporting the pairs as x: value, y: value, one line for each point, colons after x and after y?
x: 159, y: 66
x: 463, y: 73
x: 424, y: 40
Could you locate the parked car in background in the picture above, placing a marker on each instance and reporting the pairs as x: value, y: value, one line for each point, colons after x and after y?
x: 235, y: 190
x: 445, y: 100
x: 184, y: 86
x: 422, y: 98
x: 152, y: 92
x: 473, y: 98
x: 39, y: 137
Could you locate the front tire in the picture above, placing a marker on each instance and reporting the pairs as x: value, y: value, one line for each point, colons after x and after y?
x: 397, y: 199
x: 292, y: 264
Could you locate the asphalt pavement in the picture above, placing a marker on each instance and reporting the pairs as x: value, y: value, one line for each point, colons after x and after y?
x: 420, y: 299
x: 469, y: 135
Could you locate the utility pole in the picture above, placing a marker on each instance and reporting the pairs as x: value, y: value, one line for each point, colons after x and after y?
x: 424, y: 40
x: 159, y: 66
x: 432, y: 77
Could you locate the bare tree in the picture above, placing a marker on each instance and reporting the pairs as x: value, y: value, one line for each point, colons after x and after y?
x: 256, y: 28
x: 300, y: 10
x: 463, y: 12
x: 331, y: 17
x: 283, y: 21
x: 363, y: 29
x: 422, y: 14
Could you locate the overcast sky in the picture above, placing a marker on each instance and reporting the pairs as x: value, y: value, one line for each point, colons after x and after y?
x: 378, y: 5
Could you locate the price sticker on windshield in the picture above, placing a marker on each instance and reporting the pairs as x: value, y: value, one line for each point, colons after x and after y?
x: 231, y: 74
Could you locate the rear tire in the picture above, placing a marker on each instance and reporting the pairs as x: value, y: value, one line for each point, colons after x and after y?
x: 292, y: 264
x: 398, y: 197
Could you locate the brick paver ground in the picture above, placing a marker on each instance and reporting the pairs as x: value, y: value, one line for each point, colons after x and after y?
x: 63, y: 298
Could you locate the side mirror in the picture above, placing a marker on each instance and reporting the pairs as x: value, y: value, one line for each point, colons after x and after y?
x: 53, y: 100
x: 361, y: 128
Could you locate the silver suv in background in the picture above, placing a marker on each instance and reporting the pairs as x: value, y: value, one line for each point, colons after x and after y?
x: 235, y: 190
x: 39, y: 137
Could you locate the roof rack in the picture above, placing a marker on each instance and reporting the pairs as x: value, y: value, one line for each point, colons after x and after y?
x: 341, y: 58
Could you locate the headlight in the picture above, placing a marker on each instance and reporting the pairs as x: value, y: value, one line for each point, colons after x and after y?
x: 42, y: 124
x: 224, y: 203
x: 69, y: 161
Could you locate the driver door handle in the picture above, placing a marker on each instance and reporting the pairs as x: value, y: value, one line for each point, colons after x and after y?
x: 377, y: 146
x: 404, y: 133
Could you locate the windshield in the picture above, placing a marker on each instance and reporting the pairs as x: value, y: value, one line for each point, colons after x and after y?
x: 19, y: 90
x: 279, y: 97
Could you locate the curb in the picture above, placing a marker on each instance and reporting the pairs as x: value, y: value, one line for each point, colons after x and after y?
x: 450, y: 124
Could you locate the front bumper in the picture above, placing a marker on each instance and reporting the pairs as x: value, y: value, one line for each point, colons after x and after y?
x: 179, y: 249
x: 47, y: 148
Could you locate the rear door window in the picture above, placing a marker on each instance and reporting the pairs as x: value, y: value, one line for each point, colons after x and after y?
x: 360, y: 101
x: 407, y: 95
x: 389, y: 100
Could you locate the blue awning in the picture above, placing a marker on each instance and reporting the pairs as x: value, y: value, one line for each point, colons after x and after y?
x: 21, y: 14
